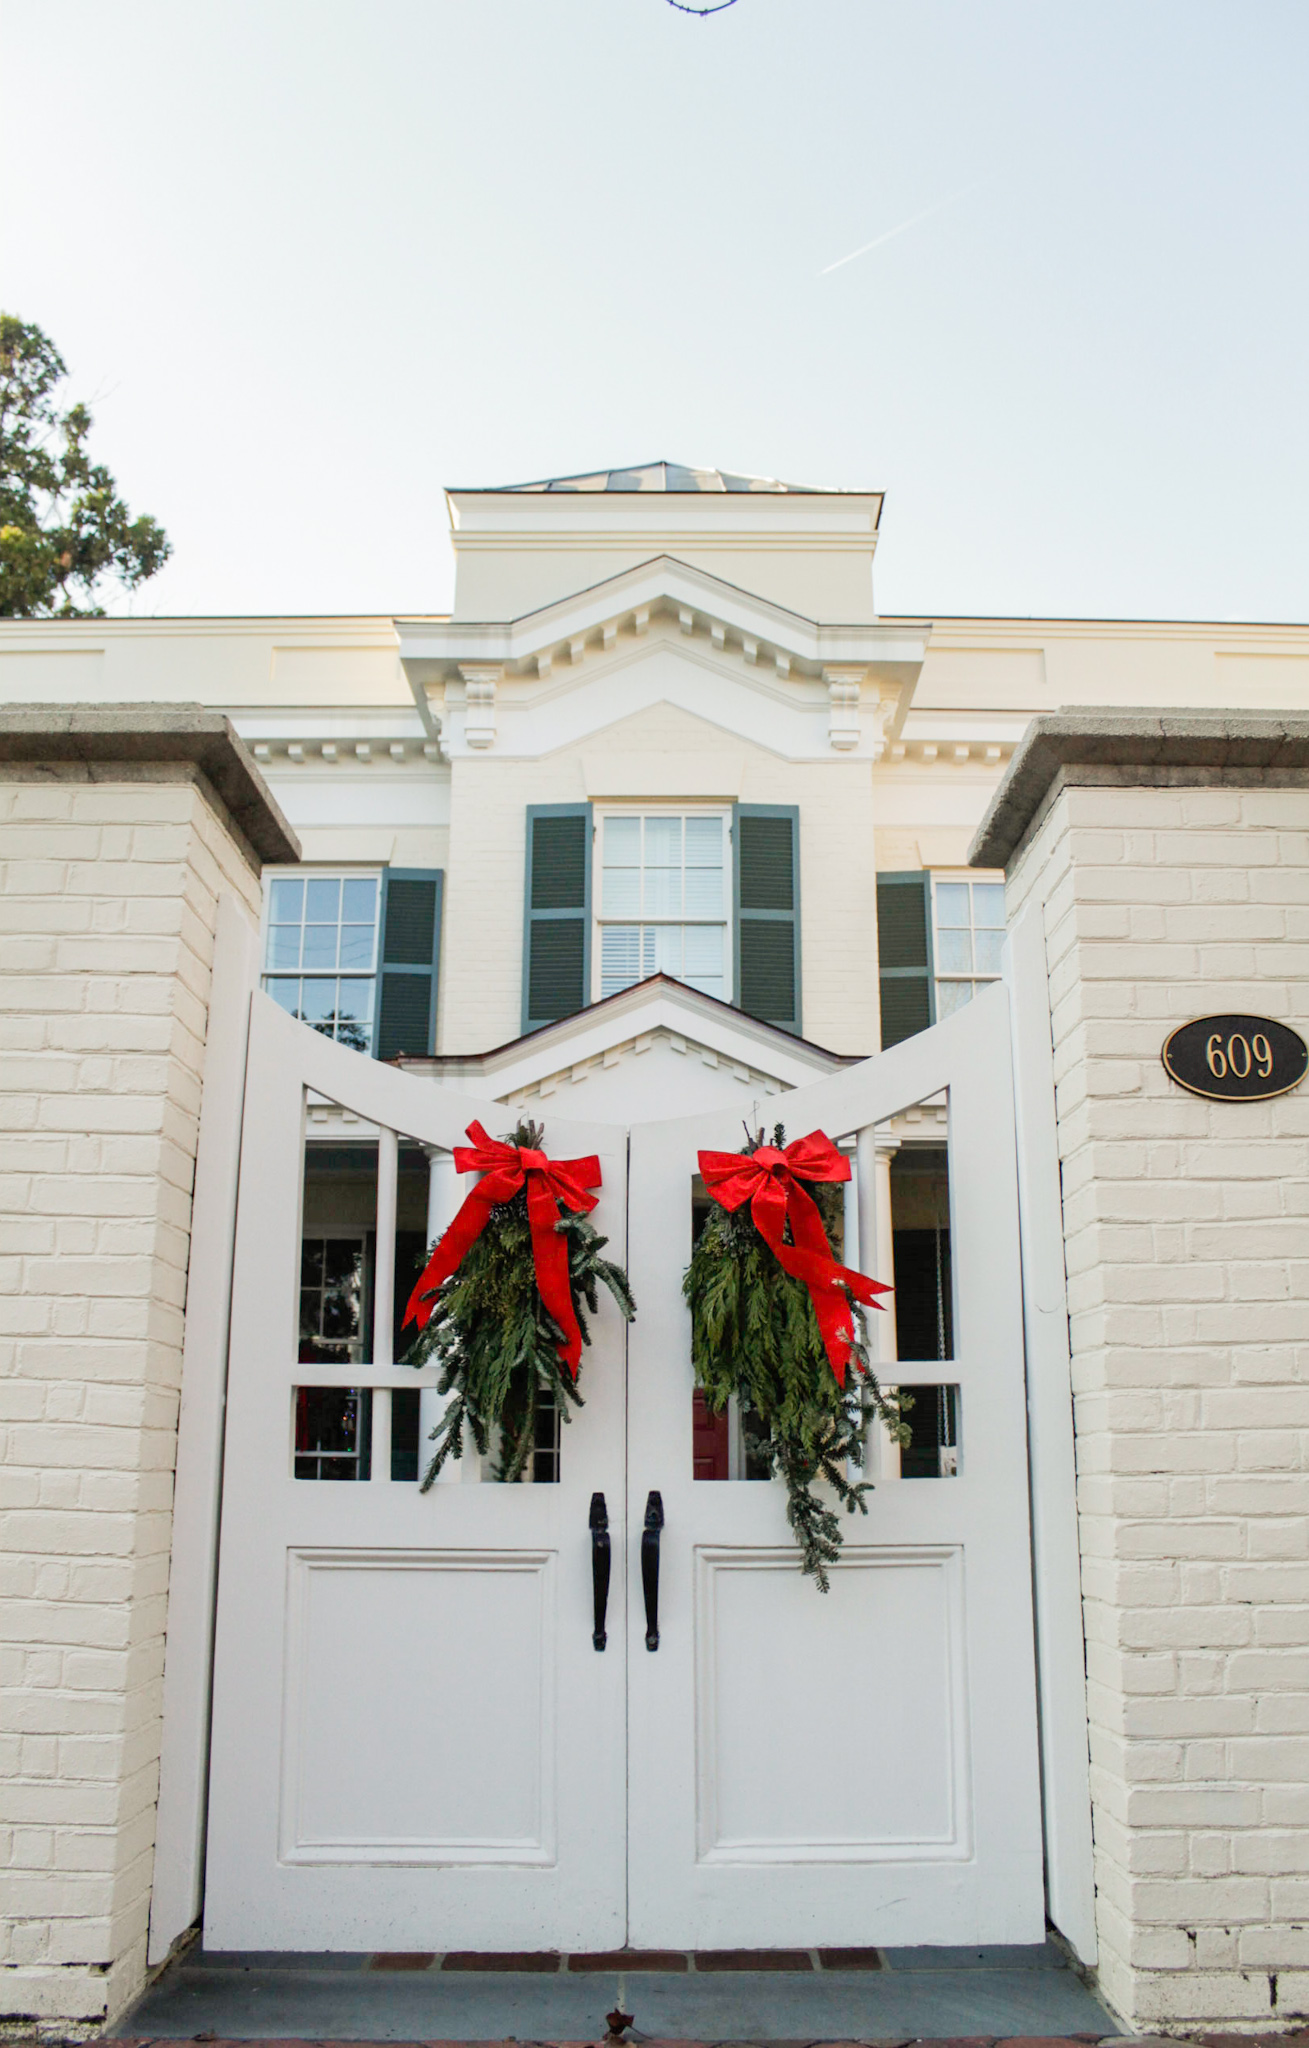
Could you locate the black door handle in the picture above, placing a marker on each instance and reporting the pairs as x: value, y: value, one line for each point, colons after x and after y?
x: 599, y: 1566
x: 654, y: 1522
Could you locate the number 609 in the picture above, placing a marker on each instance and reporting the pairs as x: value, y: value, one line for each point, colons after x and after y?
x: 1239, y: 1056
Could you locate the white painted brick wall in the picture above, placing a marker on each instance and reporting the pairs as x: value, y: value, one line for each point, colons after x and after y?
x: 1187, y: 1262
x: 108, y: 900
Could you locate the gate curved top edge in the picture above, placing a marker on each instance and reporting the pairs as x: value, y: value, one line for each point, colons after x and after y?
x: 428, y: 1111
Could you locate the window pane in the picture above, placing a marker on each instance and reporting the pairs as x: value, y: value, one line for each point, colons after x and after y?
x: 951, y: 996
x: 284, y: 945
x: 620, y: 956
x: 356, y: 945
x: 359, y: 900
x: 622, y: 842
x: 952, y: 904
x: 622, y: 892
x: 287, y: 994
x: 988, y: 905
x: 649, y: 951
x: 320, y: 945
x: 667, y: 940
x: 324, y: 899
x: 286, y: 901
x: 954, y: 952
x: 318, y: 1003
x: 704, y: 892
x: 663, y: 842
x: 663, y: 892
x: 704, y: 842
x: 704, y: 949
x: 704, y: 959
x: 986, y: 946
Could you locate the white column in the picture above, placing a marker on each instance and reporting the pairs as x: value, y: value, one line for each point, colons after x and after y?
x: 384, y: 1302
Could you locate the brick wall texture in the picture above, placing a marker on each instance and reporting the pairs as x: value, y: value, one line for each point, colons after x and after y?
x: 108, y: 897
x: 1187, y: 1253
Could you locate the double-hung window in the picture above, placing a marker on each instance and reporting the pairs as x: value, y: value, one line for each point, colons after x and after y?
x: 356, y: 955
x: 665, y: 900
x: 320, y: 954
x: 968, y: 917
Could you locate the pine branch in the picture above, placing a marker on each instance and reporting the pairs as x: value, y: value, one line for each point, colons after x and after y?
x: 754, y: 1336
x: 495, y: 1342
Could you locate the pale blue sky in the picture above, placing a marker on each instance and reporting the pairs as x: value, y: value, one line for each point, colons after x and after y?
x: 318, y: 258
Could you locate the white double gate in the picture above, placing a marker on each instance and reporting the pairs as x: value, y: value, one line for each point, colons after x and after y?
x: 415, y: 1744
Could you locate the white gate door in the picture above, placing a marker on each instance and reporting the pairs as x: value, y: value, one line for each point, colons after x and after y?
x: 415, y: 1745
x: 859, y: 1768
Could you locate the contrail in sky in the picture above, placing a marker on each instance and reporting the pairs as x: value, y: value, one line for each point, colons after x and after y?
x: 903, y: 228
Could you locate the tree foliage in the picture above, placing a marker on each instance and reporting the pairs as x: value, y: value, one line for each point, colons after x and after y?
x: 497, y: 1344
x: 64, y: 530
x: 754, y: 1335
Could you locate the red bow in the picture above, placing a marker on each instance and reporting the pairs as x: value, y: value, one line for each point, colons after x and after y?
x: 505, y: 1169
x: 767, y: 1180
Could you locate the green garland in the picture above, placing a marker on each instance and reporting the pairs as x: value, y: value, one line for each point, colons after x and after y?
x: 754, y: 1335
x: 496, y: 1343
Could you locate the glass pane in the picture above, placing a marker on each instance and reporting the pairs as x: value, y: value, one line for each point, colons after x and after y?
x: 359, y: 900
x: 354, y: 1014
x: 703, y: 950
x: 622, y: 842
x: 324, y: 899
x: 311, y: 1262
x: 667, y: 940
x: 649, y: 951
x: 286, y: 900
x: 318, y: 1003
x: 356, y: 945
x: 704, y: 892
x: 954, y: 952
x: 284, y: 945
x: 287, y: 994
x: 704, y: 842
x: 620, y: 958
x: 952, y: 904
x: 988, y: 905
x: 663, y: 892
x: 622, y: 892
x: 951, y: 996
x: 986, y: 946
x: 663, y: 842
x: 320, y: 945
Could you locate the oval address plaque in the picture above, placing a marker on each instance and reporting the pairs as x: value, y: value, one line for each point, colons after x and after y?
x: 1236, y: 1058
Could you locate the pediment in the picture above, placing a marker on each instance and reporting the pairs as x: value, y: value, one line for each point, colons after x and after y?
x: 467, y: 677
x: 627, y: 1059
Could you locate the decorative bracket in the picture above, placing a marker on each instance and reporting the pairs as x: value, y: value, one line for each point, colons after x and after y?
x: 844, y: 723
x: 481, y: 680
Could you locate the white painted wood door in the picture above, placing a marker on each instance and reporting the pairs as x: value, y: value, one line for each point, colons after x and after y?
x: 859, y: 1768
x: 415, y: 1745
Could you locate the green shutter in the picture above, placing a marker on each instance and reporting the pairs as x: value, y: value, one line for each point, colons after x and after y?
x: 766, y: 949
x: 408, y: 955
x: 904, y: 954
x: 557, y: 913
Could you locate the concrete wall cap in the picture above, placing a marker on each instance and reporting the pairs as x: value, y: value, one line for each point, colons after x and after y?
x: 135, y: 735
x: 1116, y: 743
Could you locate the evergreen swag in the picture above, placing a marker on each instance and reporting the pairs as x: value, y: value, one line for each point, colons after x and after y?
x: 497, y: 1344
x: 754, y: 1334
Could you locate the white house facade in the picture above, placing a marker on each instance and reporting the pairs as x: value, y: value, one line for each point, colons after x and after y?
x: 663, y: 828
